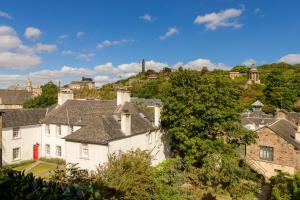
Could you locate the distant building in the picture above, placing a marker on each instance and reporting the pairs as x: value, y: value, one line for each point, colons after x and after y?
x: 232, y: 75
x: 14, y: 99
x: 253, y: 76
x: 84, y: 83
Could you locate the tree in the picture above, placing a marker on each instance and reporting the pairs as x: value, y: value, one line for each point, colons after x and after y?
x: 240, y: 68
x: 46, y: 99
x: 131, y: 174
x: 202, y: 115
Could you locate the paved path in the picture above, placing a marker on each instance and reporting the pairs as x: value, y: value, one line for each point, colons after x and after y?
x: 265, y: 192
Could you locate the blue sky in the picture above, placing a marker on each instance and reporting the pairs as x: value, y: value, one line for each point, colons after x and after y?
x: 64, y: 40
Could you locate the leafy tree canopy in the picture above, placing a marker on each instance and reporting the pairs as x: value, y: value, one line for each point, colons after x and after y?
x: 46, y: 99
x: 202, y: 115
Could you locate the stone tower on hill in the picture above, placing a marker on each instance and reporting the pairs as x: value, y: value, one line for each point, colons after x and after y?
x: 143, y: 66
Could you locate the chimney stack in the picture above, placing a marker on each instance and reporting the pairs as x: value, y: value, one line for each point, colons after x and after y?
x: 126, y: 122
x: 297, y: 134
x: 123, y: 97
x: 65, y: 95
x: 157, y: 116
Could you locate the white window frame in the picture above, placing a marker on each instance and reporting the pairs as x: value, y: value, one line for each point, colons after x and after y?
x: 18, y: 131
x: 47, y: 130
x: 58, y: 151
x: 58, y: 130
x: 84, y: 151
x: 266, y: 153
x: 18, y: 157
x: 46, y: 149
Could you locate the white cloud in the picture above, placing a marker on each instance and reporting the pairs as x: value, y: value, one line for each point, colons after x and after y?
x: 249, y: 62
x: 32, y: 33
x: 199, y: 63
x: 101, y: 79
x: 107, y: 43
x: 107, y: 68
x: 63, y: 72
x: 40, y: 47
x: 8, y: 38
x: 225, y: 18
x: 15, y: 55
x: 18, y: 61
x: 79, y: 55
x: 80, y: 34
x: 290, y: 59
x: 257, y: 10
x: 63, y: 37
x: 171, y: 31
x: 5, y: 15
x: 147, y: 17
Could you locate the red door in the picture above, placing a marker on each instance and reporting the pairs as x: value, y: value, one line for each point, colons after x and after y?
x: 35, y: 151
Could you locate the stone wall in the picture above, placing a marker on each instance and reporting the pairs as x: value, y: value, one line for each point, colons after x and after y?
x: 285, y: 157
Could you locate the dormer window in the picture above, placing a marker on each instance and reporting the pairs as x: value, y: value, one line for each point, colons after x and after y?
x: 16, y: 133
x: 70, y: 129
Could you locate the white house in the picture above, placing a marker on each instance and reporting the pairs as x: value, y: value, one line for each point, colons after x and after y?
x: 21, y: 134
x: 87, y: 131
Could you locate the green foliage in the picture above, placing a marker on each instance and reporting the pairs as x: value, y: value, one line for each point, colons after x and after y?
x: 282, y: 84
x: 131, y: 174
x: 53, y: 160
x: 46, y: 99
x: 202, y: 115
x: 285, y: 187
x: 86, y: 93
x: 240, y: 68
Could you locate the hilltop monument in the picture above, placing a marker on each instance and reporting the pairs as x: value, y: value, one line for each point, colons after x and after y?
x: 253, y: 75
x: 143, y: 66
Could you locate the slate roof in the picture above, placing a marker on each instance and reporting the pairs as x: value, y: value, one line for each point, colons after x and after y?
x: 79, y: 112
x: 22, y: 117
x: 149, y: 102
x: 99, y: 120
x: 286, y: 130
x: 14, y: 97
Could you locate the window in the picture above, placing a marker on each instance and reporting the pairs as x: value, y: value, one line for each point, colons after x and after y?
x: 266, y: 153
x: 58, y: 151
x: 84, y: 151
x: 58, y: 130
x: 47, y: 149
x: 17, y: 153
x: 16, y: 133
x: 48, y: 130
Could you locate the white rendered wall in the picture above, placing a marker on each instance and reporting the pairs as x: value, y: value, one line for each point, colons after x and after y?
x: 55, y: 140
x: 97, y: 155
x: 29, y: 136
x: 147, y: 141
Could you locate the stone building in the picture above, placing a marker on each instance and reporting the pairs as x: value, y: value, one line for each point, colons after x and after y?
x: 253, y: 76
x: 14, y: 99
x: 84, y: 83
x: 277, y: 147
x: 233, y: 75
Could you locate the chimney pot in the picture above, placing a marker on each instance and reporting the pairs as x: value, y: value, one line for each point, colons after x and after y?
x: 123, y: 97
